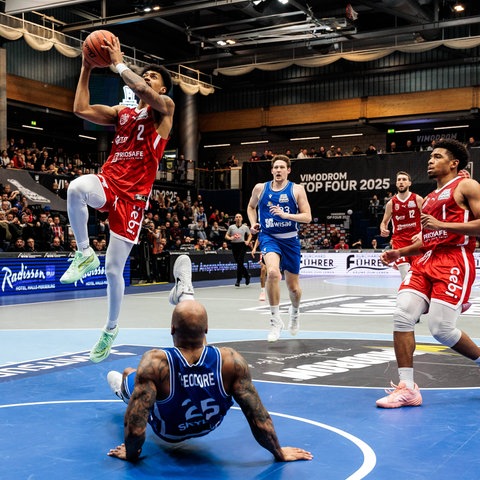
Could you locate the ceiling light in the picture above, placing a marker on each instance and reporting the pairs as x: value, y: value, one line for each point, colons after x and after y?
x: 348, y: 135
x: 254, y: 142
x: 283, y: 2
x: 222, y: 43
x: 231, y: 42
x: 408, y: 131
x: 458, y: 8
x: 303, y: 138
x: 217, y: 145
x: 87, y: 137
x: 451, y: 127
x: 147, y: 9
x: 33, y: 128
x: 257, y: 2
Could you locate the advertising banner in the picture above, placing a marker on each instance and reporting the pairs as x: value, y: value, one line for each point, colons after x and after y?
x: 25, y: 273
x: 338, y: 184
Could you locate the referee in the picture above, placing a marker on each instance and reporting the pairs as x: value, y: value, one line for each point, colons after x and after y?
x: 238, y: 234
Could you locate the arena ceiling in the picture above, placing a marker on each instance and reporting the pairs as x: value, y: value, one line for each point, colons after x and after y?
x: 208, y: 34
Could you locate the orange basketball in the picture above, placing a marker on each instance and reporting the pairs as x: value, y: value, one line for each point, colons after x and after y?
x: 93, y: 51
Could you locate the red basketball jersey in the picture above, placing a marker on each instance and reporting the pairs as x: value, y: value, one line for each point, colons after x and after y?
x: 441, y: 205
x: 136, y: 153
x: 405, y: 220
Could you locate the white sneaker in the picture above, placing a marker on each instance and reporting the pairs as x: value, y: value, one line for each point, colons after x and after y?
x: 294, y: 322
x: 115, y: 380
x: 182, y: 274
x: 261, y: 298
x: 276, y: 326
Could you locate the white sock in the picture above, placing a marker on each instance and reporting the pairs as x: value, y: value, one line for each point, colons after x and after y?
x: 109, y: 326
x: 275, y: 310
x: 406, y: 375
x: 86, y: 252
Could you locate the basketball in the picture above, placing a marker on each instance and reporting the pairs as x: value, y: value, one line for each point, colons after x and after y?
x: 93, y: 51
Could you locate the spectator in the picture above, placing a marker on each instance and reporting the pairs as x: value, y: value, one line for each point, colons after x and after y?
x: 56, y: 245
x: 325, y: 244
x: 43, y: 233
x: 341, y: 245
x: 303, y: 153
x: 30, y: 245
x: 18, y: 246
x: 254, y: 157
x: 371, y: 150
x: 472, y: 143
x: 393, y: 148
x: 331, y: 151
x: 224, y: 247
x: 215, y: 235
x: 409, y: 146
x: 322, y: 152
x: 4, y: 159
x: 357, y: 150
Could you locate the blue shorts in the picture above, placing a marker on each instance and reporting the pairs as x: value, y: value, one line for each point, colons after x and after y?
x: 287, y: 248
x: 129, y: 383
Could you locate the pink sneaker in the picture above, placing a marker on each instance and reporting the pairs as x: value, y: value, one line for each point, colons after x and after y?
x: 261, y: 298
x: 400, y: 396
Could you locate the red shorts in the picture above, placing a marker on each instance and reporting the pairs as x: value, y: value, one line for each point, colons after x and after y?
x: 124, y: 217
x: 399, y: 242
x: 445, y: 275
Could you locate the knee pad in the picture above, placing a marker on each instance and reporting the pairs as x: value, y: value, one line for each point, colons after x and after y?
x: 407, y: 312
x: 442, y: 324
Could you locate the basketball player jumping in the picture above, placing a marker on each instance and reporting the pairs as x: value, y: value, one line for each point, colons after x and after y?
x: 123, y: 187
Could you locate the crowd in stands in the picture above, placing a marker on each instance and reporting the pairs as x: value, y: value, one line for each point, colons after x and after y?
x: 43, y: 160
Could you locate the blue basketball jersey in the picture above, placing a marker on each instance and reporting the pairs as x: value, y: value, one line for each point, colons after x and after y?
x: 197, y: 402
x: 270, y: 224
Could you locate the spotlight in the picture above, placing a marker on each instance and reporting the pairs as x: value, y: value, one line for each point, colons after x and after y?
x: 458, y: 8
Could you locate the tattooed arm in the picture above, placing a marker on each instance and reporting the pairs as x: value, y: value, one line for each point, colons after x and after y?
x: 151, y: 382
x: 238, y: 382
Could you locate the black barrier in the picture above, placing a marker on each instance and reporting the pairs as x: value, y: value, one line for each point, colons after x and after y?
x: 25, y: 273
x: 338, y: 184
x: 216, y: 265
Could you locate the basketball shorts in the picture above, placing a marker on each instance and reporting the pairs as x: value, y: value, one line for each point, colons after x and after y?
x: 287, y: 248
x: 445, y: 275
x: 124, y: 217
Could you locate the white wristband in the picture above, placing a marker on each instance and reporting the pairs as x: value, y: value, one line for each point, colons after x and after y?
x: 121, y: 67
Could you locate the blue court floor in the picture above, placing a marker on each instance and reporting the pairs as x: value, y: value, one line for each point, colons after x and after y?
x: 59, y: 418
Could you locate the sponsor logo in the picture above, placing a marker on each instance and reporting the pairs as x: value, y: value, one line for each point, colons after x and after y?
x: 123, y: 118
x: 283, y: 198
x: 354, y: 363
x: 28, y: 278
x: 445, y: 194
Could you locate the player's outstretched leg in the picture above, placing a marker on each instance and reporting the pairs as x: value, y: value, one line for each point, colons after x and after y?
x: 101, y: 350
x: 81, y: 264
x: 182, y: 274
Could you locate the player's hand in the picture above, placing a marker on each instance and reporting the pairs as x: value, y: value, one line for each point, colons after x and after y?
x: 118, y: 452
x: 254, y: 229
x: 291, y: 454
x: 389, y: 256
x: 430, y: 222
x: 384, y: 232
x: 417, y: 238
x: 277, y: 211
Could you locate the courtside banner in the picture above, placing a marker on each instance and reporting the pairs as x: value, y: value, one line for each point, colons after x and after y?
x: 350, y: 263
x: 24, y: 273
x: 339, y: 184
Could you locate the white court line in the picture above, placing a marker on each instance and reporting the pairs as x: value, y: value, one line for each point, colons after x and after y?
x: 369, y: 457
